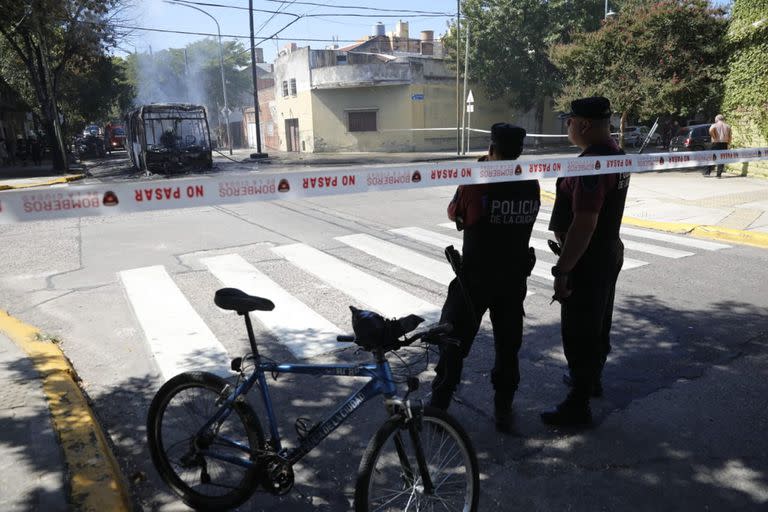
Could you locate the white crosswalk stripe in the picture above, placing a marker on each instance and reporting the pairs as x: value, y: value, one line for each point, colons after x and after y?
x: 437, y: 271
x: 178, y: 338
x: 541, y: 270
x: 371, y: 291
x: 656, y: 250
x: 408, y: 259
x: 429, y: 237
x: 674, y: 239
x: 304, y: 332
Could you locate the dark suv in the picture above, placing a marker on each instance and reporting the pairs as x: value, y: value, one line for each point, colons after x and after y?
x: 691, y: 138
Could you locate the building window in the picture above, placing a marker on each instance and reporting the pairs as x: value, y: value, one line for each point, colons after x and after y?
x: 361, y: 121
x: 293, y: 87
x: 341, y: 59
x: 285, y: 88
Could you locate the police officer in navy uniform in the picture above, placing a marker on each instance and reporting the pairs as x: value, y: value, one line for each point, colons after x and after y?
x: 586, y: 219
x: 497, y: 220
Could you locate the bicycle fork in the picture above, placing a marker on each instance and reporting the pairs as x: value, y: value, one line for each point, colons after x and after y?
x: 413, y: 423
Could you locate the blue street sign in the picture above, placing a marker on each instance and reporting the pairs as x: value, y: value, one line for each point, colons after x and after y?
x: 417, y: 97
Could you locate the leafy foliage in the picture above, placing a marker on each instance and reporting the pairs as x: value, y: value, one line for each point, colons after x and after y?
x: 45, y: 43
x: 653, y: 58
x: 746, y: 86
x: 510, y: 40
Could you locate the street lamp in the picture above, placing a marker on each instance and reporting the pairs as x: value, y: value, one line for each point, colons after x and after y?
x: 221, y: 67
x: 608, y: 12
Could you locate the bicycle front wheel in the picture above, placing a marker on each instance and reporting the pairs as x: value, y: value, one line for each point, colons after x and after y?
x: 390, y: 475
x: 180, y: 447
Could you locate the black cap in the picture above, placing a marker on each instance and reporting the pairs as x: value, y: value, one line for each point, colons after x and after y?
x: 505, y: 134
x: 596, y: 107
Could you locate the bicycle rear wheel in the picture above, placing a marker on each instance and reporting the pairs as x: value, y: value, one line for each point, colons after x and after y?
x: 389, y: 478
x: 180, y: 409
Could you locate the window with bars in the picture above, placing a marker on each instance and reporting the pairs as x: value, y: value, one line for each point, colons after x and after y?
x: 285, y: 88
x: 361, y: 121
x: 293, y: 87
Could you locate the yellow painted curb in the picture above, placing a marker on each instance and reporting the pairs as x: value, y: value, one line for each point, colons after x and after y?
x: 738, y: 236
x: 96, y: 482
x: 54, y: 181
x: 733, y: 235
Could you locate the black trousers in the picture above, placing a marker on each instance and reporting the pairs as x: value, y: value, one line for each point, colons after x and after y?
x: 504, y: 298
x: 587, y: 314
x: 720, y: 167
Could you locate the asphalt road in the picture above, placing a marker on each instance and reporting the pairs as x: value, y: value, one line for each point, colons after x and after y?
x: 682, y: 425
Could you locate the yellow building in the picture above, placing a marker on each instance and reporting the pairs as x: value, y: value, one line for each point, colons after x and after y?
x: 387, y: 93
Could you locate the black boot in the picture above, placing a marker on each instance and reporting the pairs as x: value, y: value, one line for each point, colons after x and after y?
x: 574, y: 411
x: 502, y: 413
x: 597, y: 386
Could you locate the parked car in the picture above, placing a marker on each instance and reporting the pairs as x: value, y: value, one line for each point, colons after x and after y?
x: 636, y: 135
x: 89, y: 146
x: 691, y: 138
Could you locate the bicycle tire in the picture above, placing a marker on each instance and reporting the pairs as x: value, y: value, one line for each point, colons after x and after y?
x: 374, y: 470
x: 241, y: 425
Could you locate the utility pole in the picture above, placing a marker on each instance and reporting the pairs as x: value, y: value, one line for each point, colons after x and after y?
x: 258, y: 153
x: 458, y: 96
x: 464, y: 95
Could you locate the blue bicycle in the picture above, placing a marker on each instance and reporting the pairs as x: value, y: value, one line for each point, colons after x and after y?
x: 208, y: 445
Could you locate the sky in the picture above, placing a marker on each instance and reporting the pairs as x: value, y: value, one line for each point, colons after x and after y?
x: 158, y: 14
x: 161, y: 15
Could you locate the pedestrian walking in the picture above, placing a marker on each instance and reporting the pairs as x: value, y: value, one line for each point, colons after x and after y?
x: 720, y: 132
x: 36, y: 150
x: 21, y: 150
x: 586, y: 219
x: 4, y: 159
x: 497, y: 220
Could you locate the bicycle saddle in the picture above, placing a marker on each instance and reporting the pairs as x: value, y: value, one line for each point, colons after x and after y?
x: 374, y: 331
x: 238, y: 300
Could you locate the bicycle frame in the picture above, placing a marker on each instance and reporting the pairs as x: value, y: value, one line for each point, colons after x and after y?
x: 380, y: 383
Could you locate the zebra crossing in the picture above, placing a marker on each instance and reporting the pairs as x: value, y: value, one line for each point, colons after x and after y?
x: 180, y: 339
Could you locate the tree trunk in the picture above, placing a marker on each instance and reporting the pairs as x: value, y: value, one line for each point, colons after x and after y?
x: 540, y: 117
x: 622, y: 124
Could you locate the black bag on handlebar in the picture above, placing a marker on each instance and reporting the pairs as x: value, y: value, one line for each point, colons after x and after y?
x: 373, y: 331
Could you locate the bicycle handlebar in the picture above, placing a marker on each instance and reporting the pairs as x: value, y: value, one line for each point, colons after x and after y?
x: 434, y: 335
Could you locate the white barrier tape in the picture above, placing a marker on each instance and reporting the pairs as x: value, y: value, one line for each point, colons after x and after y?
x: 140, y: 196
x: 478, y: 130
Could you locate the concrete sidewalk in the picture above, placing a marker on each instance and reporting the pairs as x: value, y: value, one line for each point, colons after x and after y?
x: 34, y: 473
x: 54, y: 454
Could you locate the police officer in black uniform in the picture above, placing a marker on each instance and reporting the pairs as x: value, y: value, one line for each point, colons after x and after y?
x: 497, y: 220
x: 586, y: 219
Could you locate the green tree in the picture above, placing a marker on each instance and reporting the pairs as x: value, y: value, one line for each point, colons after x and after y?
x: 746, y: 86
x: 43, y: 40
x: 510, y: 41
x: 653, y: 58
x: 99, y: 93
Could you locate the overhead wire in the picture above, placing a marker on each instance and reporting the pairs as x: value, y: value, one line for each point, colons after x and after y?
x: 424, y: 14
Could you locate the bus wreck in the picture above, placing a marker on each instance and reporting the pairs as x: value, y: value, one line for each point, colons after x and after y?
x: 165, y: 138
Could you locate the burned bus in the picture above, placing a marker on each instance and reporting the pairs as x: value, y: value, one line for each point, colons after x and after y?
x: 164, y: 138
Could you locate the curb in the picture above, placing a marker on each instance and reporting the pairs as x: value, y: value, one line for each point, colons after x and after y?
x: 739, y: 236
x: 95, y: 479
x: 54, y: 181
